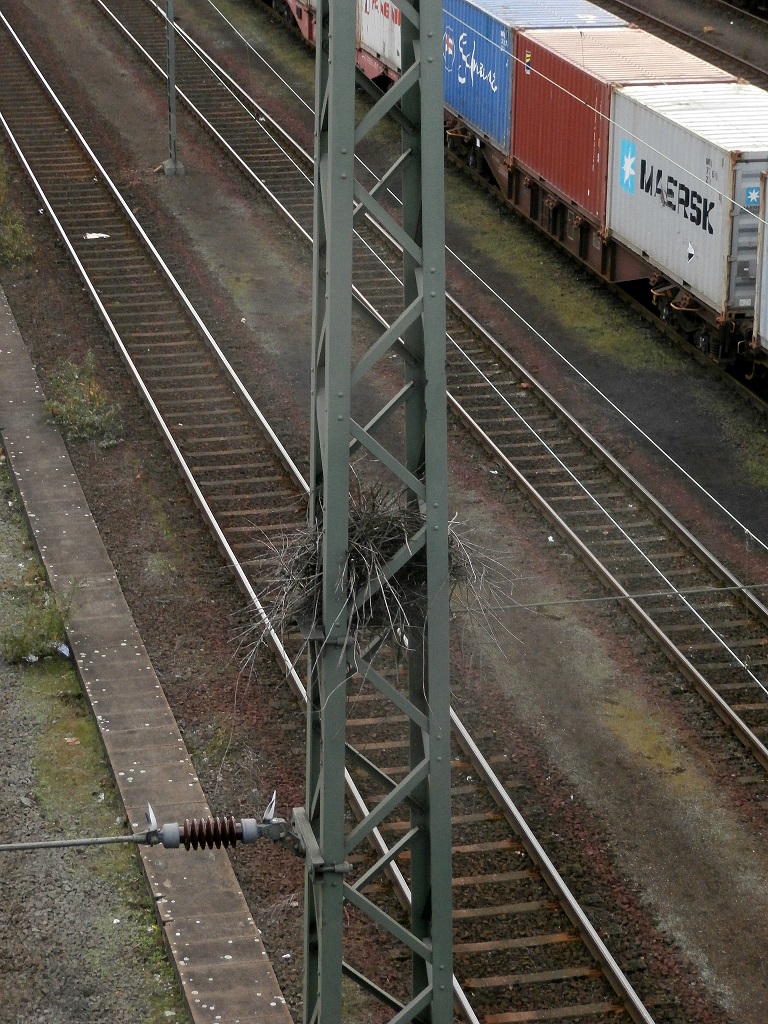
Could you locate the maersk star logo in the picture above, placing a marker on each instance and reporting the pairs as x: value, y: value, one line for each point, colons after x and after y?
x: 627, y: 169
x: 753, y: 197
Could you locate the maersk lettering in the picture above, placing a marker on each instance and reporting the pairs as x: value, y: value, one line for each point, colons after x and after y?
x: 676, y: 196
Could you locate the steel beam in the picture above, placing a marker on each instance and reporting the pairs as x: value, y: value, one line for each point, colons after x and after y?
x: 414, y: 462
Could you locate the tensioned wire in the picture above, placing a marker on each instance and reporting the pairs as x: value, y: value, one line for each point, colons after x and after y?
x: 749, y: 535
x: 557, y: 85
x: 544, y: 444
x: 674, y: 591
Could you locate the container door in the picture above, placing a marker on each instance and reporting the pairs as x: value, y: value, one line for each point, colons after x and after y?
x: 746, y: 209
x: 669, y: 202
x: 761, y: 299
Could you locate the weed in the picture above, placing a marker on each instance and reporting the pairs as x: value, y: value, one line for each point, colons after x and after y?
x: 282, y: 907
x: 39, y: 634
x: 81, y: 408
x: 15, y: 241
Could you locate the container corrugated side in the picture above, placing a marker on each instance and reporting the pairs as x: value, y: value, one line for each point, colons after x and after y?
x: 761, y: 299
x: 684, y: 184
x: 523, y: 14
x: 562, y: 87
x: 477, y: 54
x: 378, y: 31
x: 477, y: 75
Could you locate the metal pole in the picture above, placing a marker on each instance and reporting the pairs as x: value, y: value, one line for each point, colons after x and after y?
x: 414, y: 462
x: 171, y: 165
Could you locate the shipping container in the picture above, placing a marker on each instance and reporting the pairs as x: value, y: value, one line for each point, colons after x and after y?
x: 378, y: 38
x: 684, y: 185
x: 477, y: 54
x: 761, y: 299
x: 304, y: 13
x: 563, y: 84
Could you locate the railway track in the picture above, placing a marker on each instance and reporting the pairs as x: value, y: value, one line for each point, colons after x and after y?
x: 693, y: 28
x: 548, y: 962
x: 513, y: 897
x: 704, y: 619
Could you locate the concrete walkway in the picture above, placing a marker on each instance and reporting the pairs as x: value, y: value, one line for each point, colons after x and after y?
x: 216, y: 947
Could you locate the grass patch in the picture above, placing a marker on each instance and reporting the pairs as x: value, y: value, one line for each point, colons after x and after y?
x: 38, y: 629
x: 562, y: 292
x: 73, y: 786
x: 72, y: 789
x: 16, y: 243
x: 80, y: 407
x: 38, y: 635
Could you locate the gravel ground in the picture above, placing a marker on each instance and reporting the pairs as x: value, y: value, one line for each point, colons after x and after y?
x: 592, y: 719
x: 78, y: 938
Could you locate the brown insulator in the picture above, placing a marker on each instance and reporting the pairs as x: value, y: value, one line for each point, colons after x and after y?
x: 210, y: 832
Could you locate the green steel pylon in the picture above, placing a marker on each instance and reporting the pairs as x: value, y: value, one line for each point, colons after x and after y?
x: 417, y: 465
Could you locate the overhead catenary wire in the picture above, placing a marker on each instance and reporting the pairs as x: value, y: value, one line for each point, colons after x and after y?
x: 644, y: 596
x: 515, y: 60
x: 748, y: 533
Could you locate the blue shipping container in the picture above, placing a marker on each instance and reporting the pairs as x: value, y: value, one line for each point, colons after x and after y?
x: 477, y: 69
x: 478, y: 48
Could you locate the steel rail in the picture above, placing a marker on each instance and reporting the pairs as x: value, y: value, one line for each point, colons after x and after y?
x: 741, y: 729
x: 554, y: 880
x: 593, y: 943
x: 357, y: 803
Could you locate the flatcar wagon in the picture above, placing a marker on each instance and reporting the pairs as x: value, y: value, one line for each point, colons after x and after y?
x: 638, y: 158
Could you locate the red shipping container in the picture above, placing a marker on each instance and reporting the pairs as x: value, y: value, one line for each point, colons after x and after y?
x: 564, y: 80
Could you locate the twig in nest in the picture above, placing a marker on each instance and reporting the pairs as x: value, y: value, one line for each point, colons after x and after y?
x: 376, y: 600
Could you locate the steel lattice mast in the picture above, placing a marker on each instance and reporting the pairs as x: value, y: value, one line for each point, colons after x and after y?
x: 417, y: 466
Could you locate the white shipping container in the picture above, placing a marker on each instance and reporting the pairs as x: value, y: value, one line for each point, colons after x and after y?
x: 761, y: 300
x: 684, y: 184
x: 378, y: 32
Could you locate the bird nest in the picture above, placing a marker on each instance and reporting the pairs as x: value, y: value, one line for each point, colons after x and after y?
x: 376, y: 602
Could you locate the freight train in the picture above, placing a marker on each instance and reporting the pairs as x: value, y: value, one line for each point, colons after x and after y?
x: 642, y: 161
